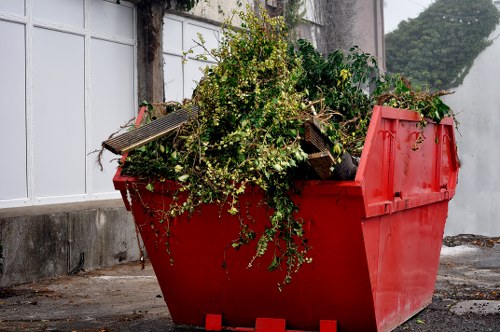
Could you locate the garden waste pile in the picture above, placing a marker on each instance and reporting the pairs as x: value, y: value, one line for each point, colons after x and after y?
x: 270, y: 112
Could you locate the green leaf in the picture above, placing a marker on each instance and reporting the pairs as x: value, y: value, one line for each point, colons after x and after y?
x: 150, y: 186
x: 274, y: 264
x: 183, y: 178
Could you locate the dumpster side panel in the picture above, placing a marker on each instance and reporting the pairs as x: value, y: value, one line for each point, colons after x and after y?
x: 405, y: 166
x: 408, y: 174
x: 415, y: 158
x: 403, y: 254
x: 208, y: 276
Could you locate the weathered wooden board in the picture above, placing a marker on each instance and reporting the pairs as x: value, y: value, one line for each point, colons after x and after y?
x: 322, y: 163
x: 155, y: 129
x: 314, y: 139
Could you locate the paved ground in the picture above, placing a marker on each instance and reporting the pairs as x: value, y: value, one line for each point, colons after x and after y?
x: 127, y: 298
x: 467, y: 295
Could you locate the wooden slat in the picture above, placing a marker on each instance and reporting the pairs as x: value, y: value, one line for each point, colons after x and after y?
x: 160, y: 127
x: 315, y: 140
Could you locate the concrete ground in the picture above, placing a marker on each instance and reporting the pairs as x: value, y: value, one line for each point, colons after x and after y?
x: 128, y: 298
x: 467, y: 292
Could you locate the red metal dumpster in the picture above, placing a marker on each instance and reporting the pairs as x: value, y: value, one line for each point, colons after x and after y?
x: 375, y: 240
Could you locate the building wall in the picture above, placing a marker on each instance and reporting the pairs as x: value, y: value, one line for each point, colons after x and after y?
x: 68, y: 80
x: 476, y: 207
x: 220, y: 10
x: 369, y: 28
x: 342, y: 24
x: 53, y: 240
x: 182, y: 70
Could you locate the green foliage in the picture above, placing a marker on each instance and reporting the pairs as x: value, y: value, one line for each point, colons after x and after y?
x: 340, y: 82
x: 247, y: 133
x: 439, y: 46
x: 248, y: 129
x: 397, y: 91
x: 253, y: 105
x: 184, y: 5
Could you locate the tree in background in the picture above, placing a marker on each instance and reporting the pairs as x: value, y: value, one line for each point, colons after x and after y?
x: 439, y: 46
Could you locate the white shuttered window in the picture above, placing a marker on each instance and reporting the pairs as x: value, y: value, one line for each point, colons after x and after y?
x: 67, y: 81
x: 180, y: 34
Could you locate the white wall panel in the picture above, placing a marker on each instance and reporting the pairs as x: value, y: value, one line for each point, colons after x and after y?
x: 112, y: 104
x: 12, y: 7
x: 67, y: 81
x: 13, y: 112
x: 111, y: 19
x: 475, y: 209
x: 59, y: 119
x: 192, y: 75
x: 172, y: 35
x: 64, y: 12
x: 174, y: 80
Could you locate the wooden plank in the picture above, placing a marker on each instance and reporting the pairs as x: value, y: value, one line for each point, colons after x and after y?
x: 322, y: 163
x: 155, y: 129
x: 314, y: 139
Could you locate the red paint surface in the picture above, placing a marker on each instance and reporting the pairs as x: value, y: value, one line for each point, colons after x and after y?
x: 375, y: 240
x: 328, y: 326
x: 270, y: 325
x: 213, y: 322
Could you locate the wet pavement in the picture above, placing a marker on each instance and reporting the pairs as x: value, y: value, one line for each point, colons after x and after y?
x: 128, y: 298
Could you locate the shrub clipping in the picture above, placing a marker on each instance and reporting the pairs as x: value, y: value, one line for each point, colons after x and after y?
x: 253, y: 107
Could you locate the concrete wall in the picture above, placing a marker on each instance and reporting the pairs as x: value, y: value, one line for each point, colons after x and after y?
x: 345, y: 23
x: 46, y: 241
x: 220, y: 10
x: 369, y: 29
x: 476, y: 206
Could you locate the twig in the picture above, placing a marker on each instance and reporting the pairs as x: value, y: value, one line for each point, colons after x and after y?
x: 100, y: 151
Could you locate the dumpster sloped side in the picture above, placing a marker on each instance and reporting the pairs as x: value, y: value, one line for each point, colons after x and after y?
x: 408, y: 176
x: 209, y: 277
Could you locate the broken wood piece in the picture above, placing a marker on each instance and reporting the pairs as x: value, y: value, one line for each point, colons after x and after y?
x: 322, y: 163
x: 155, y: 129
